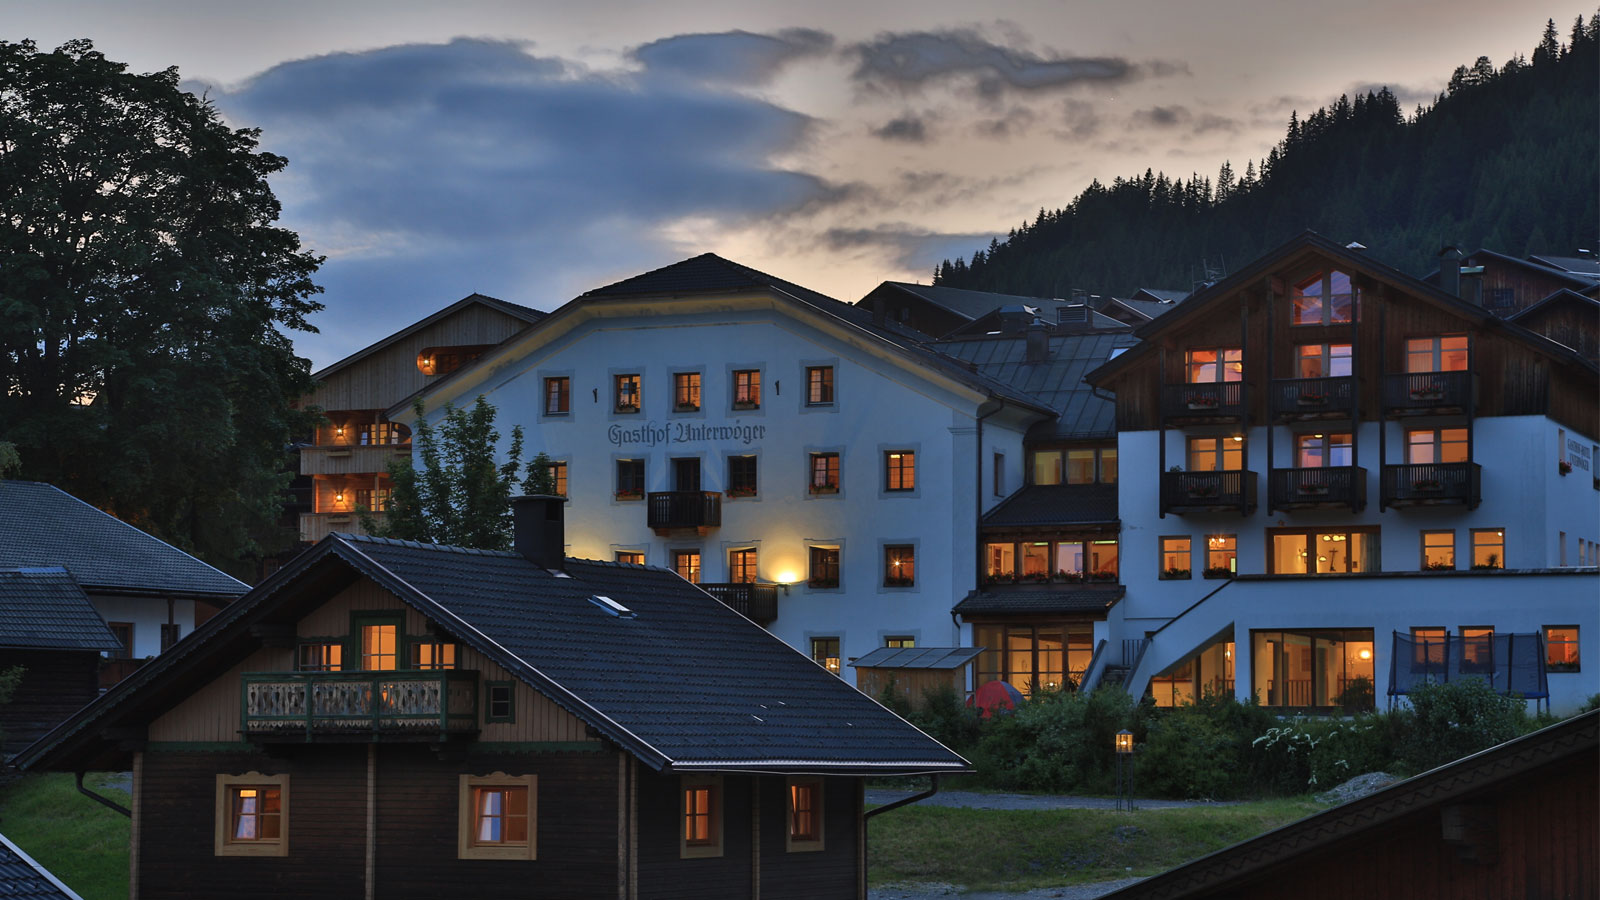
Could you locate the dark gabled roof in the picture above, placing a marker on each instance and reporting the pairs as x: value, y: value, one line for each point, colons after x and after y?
x: 1576, y: 265
x: 686, y: 684
x: 1562, y: 296
x: 975, y: 304
x: 1150, y: 309
x: 1056, y: 504
x: 1013, y: 320
x: 1057, y: 382
x: 1223, y: 873
x: 42, y: 525
x: 917, y: 658
x: 710, y: 274
x: 1043, y: 600
x: 44, y: 609
x: 22, y: 878
x: 515, y: 310
x: 1157, y: 296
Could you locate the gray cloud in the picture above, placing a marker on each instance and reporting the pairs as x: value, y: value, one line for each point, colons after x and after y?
x: 1213, y: 122
x: 907, y: 61
x: 1163, y: 116
x: 1081, y: 118
x: 1013, y: 123
x: 428, y: 171
x: 910, y: 129
x: 909, y: 246
x: 731, y: 57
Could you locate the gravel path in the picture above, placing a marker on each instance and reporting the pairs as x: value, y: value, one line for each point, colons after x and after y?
x: 983, y: 800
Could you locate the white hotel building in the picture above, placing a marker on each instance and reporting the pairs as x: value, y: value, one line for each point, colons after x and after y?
x: 852, y: 484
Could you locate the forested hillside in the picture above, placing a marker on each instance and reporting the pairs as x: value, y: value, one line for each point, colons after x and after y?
x: 1505, y: 158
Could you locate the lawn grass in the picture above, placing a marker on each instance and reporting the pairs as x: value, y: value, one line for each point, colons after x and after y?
x: 990, y: 849
x: 81, y: 842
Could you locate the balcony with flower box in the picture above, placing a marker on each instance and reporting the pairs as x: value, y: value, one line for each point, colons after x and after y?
x: 1295, y: 399
x: 1429, y: 393
x: 1192, y: 492
x: 1311, y: 488
x: 1432, y: 484
x: 422, y: 706
x: 1207, y: 402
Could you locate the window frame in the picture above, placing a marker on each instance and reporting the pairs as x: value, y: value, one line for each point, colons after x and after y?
x: 414, y: 645
x: 558, y: 476
x: 1326, y: 358
x: 118, y: 629
x: 898, y: 466
x: 1550, y: 666
x: 1476, y: 665
x: 908, y: 553
x: 1436, y: 352
x: 821, y: 386
x: 838, y: 653
x: 223, y: 844
x: 816, y: 841
x: 1225, y: 447
x: 1215, y: 545
x: 1424, y: 564
x: 813, y: 488
x: 359, y: 621
x: 1326, y: 447
x: 335, y: 644
x: 467, y: 846
x: 1424, y: 657
x: 746, y: 562
x: 489, y: 716
x: 1488, y: 567
x: 823, y: 583
x: 636, y: 491
x: 618, y: 381
x: 1168, y: 554
x: 1325, y: 312
x: 1311, y: 533
x: 1436, y: 445
x: 736, y: 490
x: 711, y: 848
x: 751, y: 388
x: 1222, y: 363
x: 688, y: 388
x: 696, y: 572
x: 636, y: 557
x: 556, y: 404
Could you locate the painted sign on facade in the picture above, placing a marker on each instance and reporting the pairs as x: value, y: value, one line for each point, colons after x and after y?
x: 651, y: 434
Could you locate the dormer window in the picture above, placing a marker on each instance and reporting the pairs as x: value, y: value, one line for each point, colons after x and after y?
x: 1326, y: 298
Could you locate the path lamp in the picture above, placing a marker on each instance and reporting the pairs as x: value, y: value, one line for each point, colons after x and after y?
x: 1124, y: 745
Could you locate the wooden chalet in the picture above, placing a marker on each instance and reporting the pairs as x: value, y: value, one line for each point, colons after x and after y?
x: 383, y: 718
x: 49, y: 629
x: 1517, y: 820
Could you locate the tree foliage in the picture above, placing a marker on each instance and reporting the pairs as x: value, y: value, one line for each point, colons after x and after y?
x: 1504, y: 158
x: 144, y: 294
x: 460, y: 496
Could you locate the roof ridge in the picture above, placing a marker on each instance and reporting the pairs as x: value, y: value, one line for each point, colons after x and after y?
x: 424, y: 545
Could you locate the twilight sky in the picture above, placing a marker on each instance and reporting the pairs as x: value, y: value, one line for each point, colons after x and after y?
x: 533, y: 150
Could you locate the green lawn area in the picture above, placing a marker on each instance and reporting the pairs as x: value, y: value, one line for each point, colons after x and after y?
x: 990, y: 849
x: 81, y: 842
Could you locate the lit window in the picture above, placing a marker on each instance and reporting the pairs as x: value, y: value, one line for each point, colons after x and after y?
x: 320, y: 656
x: 1108, y: 465
x: 372, y: 499
x: 900, y: 470
x: 628, y: 395
x: 1438, y: 550
x: 899, y: 565
x: 805, y: 815
x: 1033, y: 658
x: 1436, y: 445
x: 631, y: 557
x: 1103, y: 560
x: 687, y: 564
x: 824, y: 473
x: 1000, y: 561
x: 741, y: 476
x: 742, y: 566
x: 1428, y: 650
x: 824, y: 567
x: 557, y: 396
x: 1222, y: 556
x: 1080, y: 466
x: 383, y: 434
x: 1477, y: 649
x: 1047, y: 466
x: 900, y: 643
x: 498, y: 816
x: 1175, y: 557
x: 1214, y: 366
x: 1314, y: 552
x: 1323, y: 299
x: 1488, y: 548
x: 1561, y: 648
x: 825, y: 653
x: 686, y: 392
x: 1322, y: 450
x: 1318, y: 668
x: 433, y: 655
x: 700, y: 817
x: 1322, y: 360
x: 252, y: 815
x: 380, y: 647
x: 819, y: 385
x: 1218, y: 454
x: 1069, y: 561
x: 1446, y: 353
x: 558, y: 477
x: 499, y: 701
x: 747, y: 389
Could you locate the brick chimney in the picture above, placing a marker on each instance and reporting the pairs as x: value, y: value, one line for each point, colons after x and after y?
x: 539, y: 529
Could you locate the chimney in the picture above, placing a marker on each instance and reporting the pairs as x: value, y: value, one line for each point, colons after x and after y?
x: 539, y: 530
x: 1450, y: 271
x: 1472, y: 284
x: 1038, y: 349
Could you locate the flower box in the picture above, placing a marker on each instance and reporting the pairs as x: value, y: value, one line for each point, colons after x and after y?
x: 1174, y: 574
x: 1217, y: 572
x: 1427, y: 484
x: 1431, y: 392
x: 898, y: 581
x: 1203, y: 492
x: 1201, y: 401
x: 1311, y: 399
x: 627, y: 407
x: 1315, y: 490
x: 630, y: 495
x: 740, y: 492
x: 1564, y: 467
x: 1103, y: 576
x: 824, y: 489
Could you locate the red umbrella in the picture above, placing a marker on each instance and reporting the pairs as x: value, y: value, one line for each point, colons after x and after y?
x: 995, y: 695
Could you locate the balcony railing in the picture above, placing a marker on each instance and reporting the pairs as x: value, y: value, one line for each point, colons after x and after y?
x: 316, y: 526
x: 756, y: 602
x: 1428, y: 393
x: 684, y: 509
x: 423, y: 705
x: 1326, y: 486
x: 1432, y: 484
x: 1205, y: 491
x: 1206, y: 402
x: 1313, y: 398
x: 349, y: 460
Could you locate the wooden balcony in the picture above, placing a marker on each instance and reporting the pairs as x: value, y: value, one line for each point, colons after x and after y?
x: 364, y: 706
x: 1313, y: 398
x: 756, y: 602
x: 316, y: 526
x: 1192, y: 492
x: 1429, y: 393
x: 1318, y: 487
x: 345, y: 459
x: 1202, y: 403
x: 667, y: 510
x: 1433, y: 484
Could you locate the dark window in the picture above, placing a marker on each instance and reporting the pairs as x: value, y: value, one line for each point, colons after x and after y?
x: 557, y: 396
x: 899, y: 565
x: 686, y: 392
x: 824, y: 473
x: 819, y: 385
x: 747, y: 389
x: 630, y: 479
x: 741, y: 476
x: 900, y: 470
x: 170, y: 634
x: 824, y: 567
x: 627, y: 394
x: 499, y: 704
x: 123, y: 632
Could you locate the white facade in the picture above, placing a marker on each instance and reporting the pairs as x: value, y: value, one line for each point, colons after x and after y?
x: 882, y: 402
x: 147, y: 616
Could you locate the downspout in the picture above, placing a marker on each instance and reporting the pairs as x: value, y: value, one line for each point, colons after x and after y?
x: 903, y: 801
x: 103, y: 801
x: 977, y: 506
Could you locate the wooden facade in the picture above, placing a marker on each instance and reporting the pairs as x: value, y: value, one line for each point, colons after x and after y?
x: 55, y: 684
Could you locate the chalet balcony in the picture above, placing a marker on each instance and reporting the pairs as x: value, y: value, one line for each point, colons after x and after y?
x: 316, y: 526
x: 1313, y: 398
x: 1429, y: 393
x: 684, y: 509
x: 425, y: 705
x: 1433, y: 484
x: 756, y: 602
x: 1318, y: 487
x: 345, y: 459
x: 1192, y: 492
x: 1199, y: 403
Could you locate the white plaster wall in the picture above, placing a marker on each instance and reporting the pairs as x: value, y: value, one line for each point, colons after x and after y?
x: 147, y: 614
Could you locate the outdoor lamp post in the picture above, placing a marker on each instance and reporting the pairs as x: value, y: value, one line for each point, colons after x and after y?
x: 1124, y: 746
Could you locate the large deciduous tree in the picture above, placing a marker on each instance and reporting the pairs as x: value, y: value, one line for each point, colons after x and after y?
x: 145, y: 292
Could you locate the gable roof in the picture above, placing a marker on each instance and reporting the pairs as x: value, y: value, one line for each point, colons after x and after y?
x: 1055, y: 504
x: 526, y: 313
x: 975, y: 304
x: 1565, y: 295
x: 44, y: 609
x: 42, y: 525
x: 1220, y: 874
x: 22, y: 878
x: 1057, y: 382
x: 686, y: 684
x: 918, y: 658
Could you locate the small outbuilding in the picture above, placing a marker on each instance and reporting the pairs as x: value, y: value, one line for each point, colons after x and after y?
x: 49, y: 631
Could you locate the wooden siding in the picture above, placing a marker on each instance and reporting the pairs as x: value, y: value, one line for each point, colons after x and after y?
x: 911, y: 684
x: 55, y: 684
x: 212, y: 712
x: 342, y: 460
x: 1547, y: 832
x: 663, y: 875
x: 827, y: 874
x: 1569, y: 322
x: 316, y: 526
x: 391, y: 374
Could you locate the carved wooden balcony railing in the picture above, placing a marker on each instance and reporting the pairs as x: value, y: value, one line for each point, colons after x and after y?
x: 419, y: 705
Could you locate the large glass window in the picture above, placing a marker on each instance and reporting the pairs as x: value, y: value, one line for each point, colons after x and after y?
x: 1309, y: 669
x: 1208, y: 672
x: 1214, y: 365
x: 1323, y: 299
x: 1034, y: 657
x: 1321, y: 450
x: 1080, y: 466
x: 1175, y: 557
x: 1047, y: 466
x: 1322, y: 360
x: 1323, y: 552
x: 1216, y: 454
x: 1436, y: 445
x: 1444, y: 353
x: 1488, y: 548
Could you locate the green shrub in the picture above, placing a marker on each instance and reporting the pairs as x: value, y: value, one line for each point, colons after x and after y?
x: 1187, y: 756
x: 947, y: 719
x: 1057, y: 741
x: 1456, y: 719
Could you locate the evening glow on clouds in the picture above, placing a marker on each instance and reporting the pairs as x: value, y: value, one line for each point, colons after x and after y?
x: 534, y: 151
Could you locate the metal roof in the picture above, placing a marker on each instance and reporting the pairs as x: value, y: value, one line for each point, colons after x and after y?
x: 1057, y: 382
x: 44, y: 609
x: 1056, y: 504
x: 918, y: 658
x: 1045, y: 600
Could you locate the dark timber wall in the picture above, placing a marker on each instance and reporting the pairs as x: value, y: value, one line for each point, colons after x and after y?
x: 55, y: 684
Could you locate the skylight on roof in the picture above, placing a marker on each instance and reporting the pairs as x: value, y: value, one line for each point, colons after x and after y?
x: 612, y: 607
